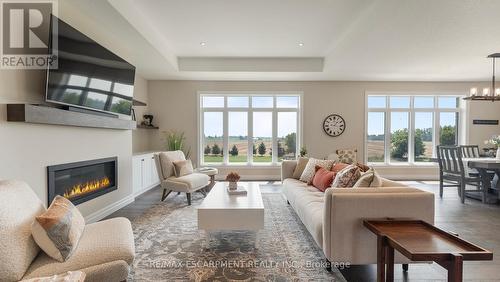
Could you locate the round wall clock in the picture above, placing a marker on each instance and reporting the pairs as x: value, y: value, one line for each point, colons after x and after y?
x: 334, y: 125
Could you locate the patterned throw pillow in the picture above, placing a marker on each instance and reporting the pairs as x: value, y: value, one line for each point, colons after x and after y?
x: 347, y: 177
x: 323, y: 178
x: 58, y: 230
x: 183, y: 167
x: 347, y: 156
x: 310, y: 170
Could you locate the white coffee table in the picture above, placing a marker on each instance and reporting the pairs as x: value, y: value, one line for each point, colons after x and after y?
x: 221, y: 211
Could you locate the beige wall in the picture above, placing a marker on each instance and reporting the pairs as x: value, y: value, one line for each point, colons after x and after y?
x: 174, y: 105
x: 141, y: 138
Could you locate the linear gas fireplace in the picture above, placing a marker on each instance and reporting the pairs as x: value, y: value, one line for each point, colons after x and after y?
x: 83, y: 181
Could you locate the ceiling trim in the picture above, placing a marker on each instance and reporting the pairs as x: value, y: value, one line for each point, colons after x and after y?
x: 250, y: 64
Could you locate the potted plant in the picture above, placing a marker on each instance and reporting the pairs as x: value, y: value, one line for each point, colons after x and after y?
x: 233, y: 178
x: 175, y: 142
x: 495, y: 141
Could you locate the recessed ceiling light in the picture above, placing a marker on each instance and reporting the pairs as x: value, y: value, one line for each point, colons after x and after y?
x: 203, y: 43
x: 301, y: 44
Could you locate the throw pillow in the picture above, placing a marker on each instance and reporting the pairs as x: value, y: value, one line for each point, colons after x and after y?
x: 347, y: 156
x: 301, y: 165
x: 347, y: 177
x: 58, y: 230
x: 310, y: 169
x: 366, y: 179
x: 337, y: 167
x: 182, y: 168
x: 323, y: 178
x: 363, y: 167
x: 377, y: 180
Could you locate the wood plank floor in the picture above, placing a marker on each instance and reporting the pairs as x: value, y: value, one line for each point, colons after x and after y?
x: 473, y: 221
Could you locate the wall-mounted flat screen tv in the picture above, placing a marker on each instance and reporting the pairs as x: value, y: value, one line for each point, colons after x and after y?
x: 88, y: 75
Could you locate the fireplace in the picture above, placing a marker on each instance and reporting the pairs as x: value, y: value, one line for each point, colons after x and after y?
x: 82, y: 181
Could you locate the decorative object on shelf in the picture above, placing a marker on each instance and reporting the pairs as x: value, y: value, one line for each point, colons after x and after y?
x: 495, y: 141
x: 303, y: 151
x: 233, y: 178
x: 175, y: 142
x: 148, y: 120
x: 487, y: 94
x: 334, y: 125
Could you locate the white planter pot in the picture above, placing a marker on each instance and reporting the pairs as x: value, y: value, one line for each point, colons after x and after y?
x: 233, y: 185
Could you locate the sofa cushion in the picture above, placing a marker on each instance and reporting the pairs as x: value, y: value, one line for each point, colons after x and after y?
x: 188, y: 183
x: 323, y: 178
x: 310, y: 169
x: 366, y: 179
x: 18, y: 207
x: 183, y: 167
x: 102, y: 242
x: 166, y: 161
x: 299, y: 168
x: 347, y: 177
x: 337, y: 167
x: 58, y: 230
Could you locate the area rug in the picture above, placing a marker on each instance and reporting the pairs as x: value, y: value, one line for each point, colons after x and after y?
x: 169, y: 247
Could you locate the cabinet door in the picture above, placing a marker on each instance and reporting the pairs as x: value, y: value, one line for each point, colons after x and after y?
x: 146, y: 172
x: 137, y: 174
x: 155, y: 180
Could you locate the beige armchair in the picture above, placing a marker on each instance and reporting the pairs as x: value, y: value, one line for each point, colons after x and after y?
x: 105, y: 251
x: 170, y: 182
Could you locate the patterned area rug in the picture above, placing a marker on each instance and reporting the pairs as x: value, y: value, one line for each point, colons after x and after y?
x: 169, y: 247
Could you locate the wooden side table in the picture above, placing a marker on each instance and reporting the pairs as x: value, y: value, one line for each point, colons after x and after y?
x: 420, y: 241
x: 211, y: 172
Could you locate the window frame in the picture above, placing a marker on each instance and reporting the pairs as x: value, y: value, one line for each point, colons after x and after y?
x: 462, y: 130
x: 249, y: 110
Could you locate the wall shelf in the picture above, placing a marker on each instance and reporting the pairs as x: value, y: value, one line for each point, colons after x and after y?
x: 147, y: 126
x: 48, y: 115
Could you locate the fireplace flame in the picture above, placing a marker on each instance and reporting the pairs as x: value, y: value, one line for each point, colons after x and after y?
x: 87, y: 187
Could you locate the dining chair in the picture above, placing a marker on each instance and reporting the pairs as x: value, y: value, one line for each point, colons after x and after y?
x: 452, y: 172
x: 469, y: 151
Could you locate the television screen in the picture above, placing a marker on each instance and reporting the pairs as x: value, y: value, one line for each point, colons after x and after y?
x: 88, y: 75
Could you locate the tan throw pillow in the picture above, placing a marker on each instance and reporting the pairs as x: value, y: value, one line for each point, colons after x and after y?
x: 310, y: 169
x: 347, y: 177
x: 183, y: 168
x: 377, y: 180
x: 58, y: 230
x: 347, y: 156
x: 366, y: 179
x: 301, y: 165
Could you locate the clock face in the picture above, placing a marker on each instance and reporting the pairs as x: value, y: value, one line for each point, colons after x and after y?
x: 334, y: 125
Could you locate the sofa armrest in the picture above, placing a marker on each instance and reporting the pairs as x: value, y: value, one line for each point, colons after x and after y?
x: 345, y: 239
x: 287, y: 168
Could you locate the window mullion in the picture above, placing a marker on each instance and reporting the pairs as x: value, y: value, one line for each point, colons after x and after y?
x: 250, y: 132
x: 411, y: 133
x: 225, y: 140
x: 387, y: 134
x: 274, y: 145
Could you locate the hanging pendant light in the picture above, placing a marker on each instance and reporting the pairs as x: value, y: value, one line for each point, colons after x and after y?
x: 487, y: 94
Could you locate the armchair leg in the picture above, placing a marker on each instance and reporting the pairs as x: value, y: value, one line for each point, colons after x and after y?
x: 188, y: 195
x: 165, y: 194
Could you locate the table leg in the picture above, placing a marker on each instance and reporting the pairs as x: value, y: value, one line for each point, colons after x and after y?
x: 381, y: 253
x: 389, y: 260
x: 455, y: 270
x: 485, y: 182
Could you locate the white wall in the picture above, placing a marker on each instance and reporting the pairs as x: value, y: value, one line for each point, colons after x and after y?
x: 141, y: 138
x: 174, y: 105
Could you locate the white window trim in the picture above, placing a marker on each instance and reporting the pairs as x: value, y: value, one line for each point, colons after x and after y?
x: 249, y: 110
x: 463, y: 111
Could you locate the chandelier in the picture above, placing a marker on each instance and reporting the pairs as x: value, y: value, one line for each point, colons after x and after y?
x: 487, y: 94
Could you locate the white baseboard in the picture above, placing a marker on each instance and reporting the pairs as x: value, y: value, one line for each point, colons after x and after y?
x: 102, y: 213
x: 138, y: 193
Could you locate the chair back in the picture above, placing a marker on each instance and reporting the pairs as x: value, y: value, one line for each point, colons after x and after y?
x: 450, y: 160
x: 165, y: 163
x: 469, y: 151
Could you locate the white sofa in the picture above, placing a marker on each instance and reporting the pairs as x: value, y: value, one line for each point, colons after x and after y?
x: 335, y: 217
x: 105, y: 251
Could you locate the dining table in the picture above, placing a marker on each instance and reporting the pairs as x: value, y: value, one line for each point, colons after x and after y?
x: 489, y: 171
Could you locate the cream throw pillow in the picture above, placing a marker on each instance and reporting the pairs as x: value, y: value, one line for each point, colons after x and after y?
x: 58, y: 230
x: 310, y: 169
x: 183, y: 168
x: 299, y: 169
x: 347, y: 177
x: 366, y: 178
x: 377, y: 180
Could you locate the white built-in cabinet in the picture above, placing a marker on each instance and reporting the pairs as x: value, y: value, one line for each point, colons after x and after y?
x: 144, y: 173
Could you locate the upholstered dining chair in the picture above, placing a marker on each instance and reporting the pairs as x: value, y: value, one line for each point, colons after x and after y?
x: 171, y: 183
x: 452, y: 171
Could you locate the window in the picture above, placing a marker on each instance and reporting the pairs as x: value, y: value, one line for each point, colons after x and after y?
x: 246, y: 129
x: 405, y: 129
